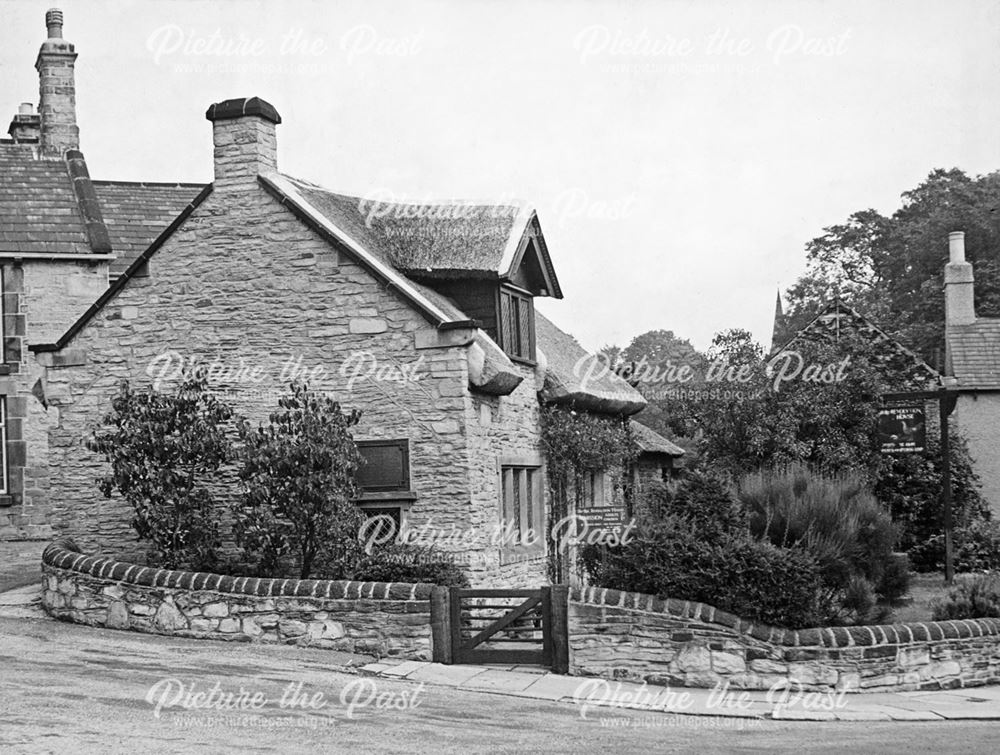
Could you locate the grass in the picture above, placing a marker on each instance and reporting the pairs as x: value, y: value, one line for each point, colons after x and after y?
x: 924, y: 590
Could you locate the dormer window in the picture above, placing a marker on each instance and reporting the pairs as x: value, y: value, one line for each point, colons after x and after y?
x: 517, y: 324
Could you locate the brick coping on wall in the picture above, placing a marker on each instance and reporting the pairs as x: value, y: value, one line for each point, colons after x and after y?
x: 827, y: 637
x: 65, y: 554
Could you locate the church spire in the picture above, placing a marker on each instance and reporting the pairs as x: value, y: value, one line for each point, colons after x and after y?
x: 779, y: 323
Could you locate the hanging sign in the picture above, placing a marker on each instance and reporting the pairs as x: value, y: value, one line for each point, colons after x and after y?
x: 902, y: 429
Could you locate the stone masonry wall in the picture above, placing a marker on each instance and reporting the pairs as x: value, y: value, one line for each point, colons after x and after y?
x: 374, y: 618
x: 244, y: 284
x: 499, y: 428
x: 41, y: 300
x: 57, y: 293
x: 623, y: 635
x: 977, y: 416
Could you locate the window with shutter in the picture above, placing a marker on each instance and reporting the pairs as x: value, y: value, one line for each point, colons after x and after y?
x: 517, y: 324
x: 385, y: 465
x: 384, y: 479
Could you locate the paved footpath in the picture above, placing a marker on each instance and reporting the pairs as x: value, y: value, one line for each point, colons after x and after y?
x: 972, y: 704
x: 977, y: 703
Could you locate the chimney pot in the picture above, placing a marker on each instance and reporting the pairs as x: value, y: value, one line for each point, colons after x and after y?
x: 959, y: 284
x: 57, y: 90
x: 26, y: 108
x: 243, y: 132
x: 54, y: 23
x: 956, y: 246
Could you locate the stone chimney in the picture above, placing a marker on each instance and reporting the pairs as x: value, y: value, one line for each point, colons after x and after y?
x: 26, y: 126
x: 243, y: 131
x: 57, y: 90
x: 959, y: 284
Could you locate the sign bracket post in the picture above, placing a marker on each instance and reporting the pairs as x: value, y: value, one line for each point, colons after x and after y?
x: 946, y: 404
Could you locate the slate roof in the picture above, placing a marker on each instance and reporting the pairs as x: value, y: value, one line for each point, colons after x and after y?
x: 136, y: 213
x: 974, y: 354
x: 574, y: 376
x: 39, y: 211
x: 650, y: 441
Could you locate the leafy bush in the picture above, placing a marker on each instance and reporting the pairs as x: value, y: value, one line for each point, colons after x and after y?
x: 408, y: 564
x: 165, y: 450
x: 976, y: 548
x: 909, y: 485
x: 297, y: 510
x: 693, y: 544
x: 703, y: 500
x: 973, y: 597
x: 753, y: 579
x: 842, y: 526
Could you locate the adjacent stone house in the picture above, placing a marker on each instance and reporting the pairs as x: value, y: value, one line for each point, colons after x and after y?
x: 61, y: 236
x: 972, y: 369
x: 839, y: 324
x: 422, y: 316
x: 659, y: 459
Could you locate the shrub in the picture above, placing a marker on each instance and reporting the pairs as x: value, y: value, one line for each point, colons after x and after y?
x: 701, y: 499
x: 841, y: 524
x: 297, y: 510
x: 165, y: 449
x: 976, y: 548
x: 973, y: 597
x: 692, y: 542
x: 408, y: 564
x: 753, y: 579
x: 909, y: 485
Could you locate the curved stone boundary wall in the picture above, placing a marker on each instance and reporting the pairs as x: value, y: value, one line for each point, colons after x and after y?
x: 375, y: 618
x: 624, y: 635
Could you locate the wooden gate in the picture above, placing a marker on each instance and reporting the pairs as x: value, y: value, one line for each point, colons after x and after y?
x: 517, y: 627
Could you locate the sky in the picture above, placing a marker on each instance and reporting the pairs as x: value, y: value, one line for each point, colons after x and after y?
x: 679, y: 154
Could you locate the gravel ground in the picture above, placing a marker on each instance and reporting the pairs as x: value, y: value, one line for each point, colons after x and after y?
x: 69, y: 688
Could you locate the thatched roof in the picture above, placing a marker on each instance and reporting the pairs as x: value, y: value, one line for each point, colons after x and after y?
x: 651, y: 442
x: 574, y: 376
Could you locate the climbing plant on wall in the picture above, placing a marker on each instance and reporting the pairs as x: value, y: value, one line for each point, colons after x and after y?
x: 575, y: 444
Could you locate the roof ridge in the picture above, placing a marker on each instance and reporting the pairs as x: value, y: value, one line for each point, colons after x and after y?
x: 87, y: 202
x: 171, y: 184
x: 513, y: 202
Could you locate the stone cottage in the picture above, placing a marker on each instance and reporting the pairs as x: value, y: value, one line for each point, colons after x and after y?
x: 61, y: 236
x: 839, y: 323
x: 972, y: 369
x: 421, y: 316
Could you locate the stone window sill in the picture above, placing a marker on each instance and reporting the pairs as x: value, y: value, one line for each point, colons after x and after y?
x: 386, y: 495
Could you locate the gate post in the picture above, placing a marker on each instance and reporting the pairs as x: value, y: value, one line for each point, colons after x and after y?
x: 560, y: 629
x: 440, y: 625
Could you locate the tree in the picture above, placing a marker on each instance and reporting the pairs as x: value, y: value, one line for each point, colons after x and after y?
x: 891, y: 268
x: 832, y: 427
x: 652, y: 363
x: 658, y: 348
x: 611, y: 356
x: 299, y: 478
x: 165, y: 452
